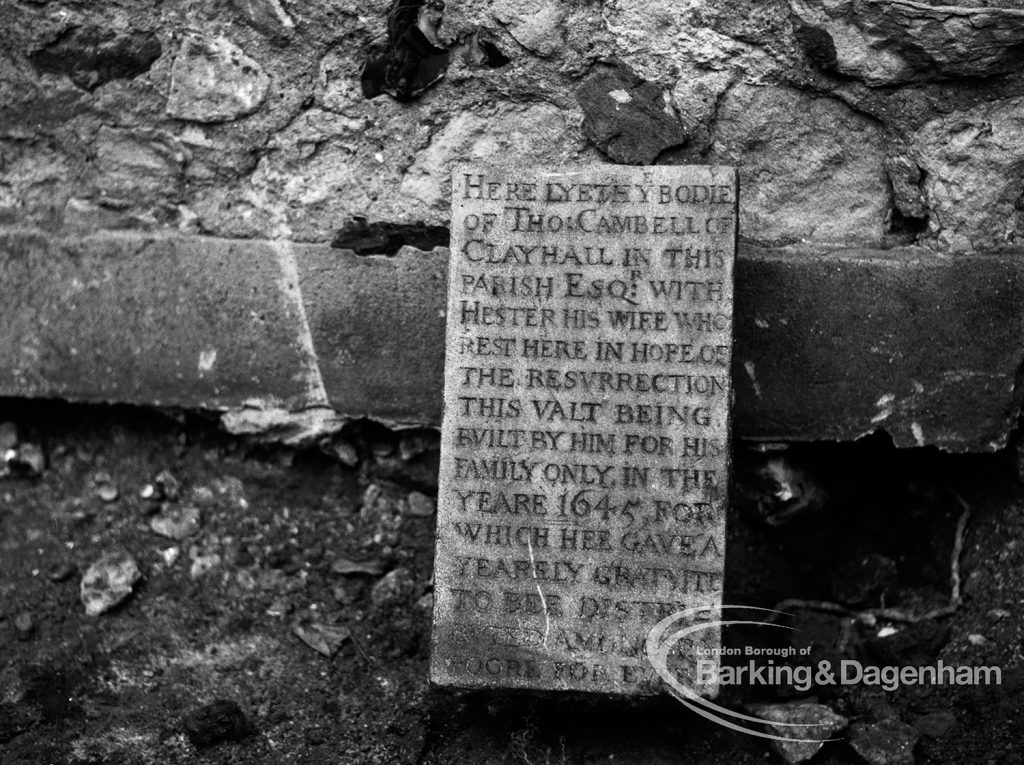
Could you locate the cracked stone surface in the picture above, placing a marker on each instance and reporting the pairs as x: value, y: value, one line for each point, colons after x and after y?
x: 819, y: 177
x: 888, y: 42
x: 251, y: 121
x: 972, y: 164
x: 212, y: 80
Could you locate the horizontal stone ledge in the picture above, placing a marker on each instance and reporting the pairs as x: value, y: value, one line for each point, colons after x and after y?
x: 828, y: 345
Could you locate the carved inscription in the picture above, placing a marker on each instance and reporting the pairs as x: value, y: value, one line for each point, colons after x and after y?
x: 585, y: 444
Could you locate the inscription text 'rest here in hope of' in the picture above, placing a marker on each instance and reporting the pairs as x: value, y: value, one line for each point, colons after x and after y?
x: 585, y: 448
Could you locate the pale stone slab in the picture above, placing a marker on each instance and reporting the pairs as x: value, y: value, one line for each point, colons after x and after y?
x: 586, y: 433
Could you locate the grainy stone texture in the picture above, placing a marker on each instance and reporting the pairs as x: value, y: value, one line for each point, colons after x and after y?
x: 214, y: 723
x: 254, y: 122
x: 108, y: 582
x: 972, y: 170
x: 212, y: 80
x: 810, y: 167
x: 889, y: 742
x: 800, y: 720
x: 585, y: 447
x: 929, y: 352
x: 888, y: 42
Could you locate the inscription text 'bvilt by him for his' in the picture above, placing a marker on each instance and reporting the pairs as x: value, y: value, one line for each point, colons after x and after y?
x: 585, y: 444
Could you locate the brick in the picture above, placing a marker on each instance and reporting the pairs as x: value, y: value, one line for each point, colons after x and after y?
x: 828, y: 345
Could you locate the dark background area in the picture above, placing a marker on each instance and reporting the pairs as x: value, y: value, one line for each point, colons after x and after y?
x: 218, y: 619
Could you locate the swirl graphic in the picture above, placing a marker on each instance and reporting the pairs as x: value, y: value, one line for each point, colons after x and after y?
x: 660, y: 643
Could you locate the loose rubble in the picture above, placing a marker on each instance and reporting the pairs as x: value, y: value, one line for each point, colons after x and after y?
x: 325, y: 639
x: 420, y: 505
x: 822, y: 724
x: 345, y: 567
x: 176, y: 523
x: 108, y: 582
x: 217, y: 722
x: 394, y: 588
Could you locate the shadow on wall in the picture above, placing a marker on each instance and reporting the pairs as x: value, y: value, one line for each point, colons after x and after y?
x: 413, y: 59
x: 383, y: 238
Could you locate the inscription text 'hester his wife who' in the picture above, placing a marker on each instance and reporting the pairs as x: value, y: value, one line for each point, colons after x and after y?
x: 585, y: 445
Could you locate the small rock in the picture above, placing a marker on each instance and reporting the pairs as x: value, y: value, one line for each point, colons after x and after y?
x: 823, y: 722
x: 426, y: 602
x: 107, y: 493
x: 935, y: 724
x: 170, y: 555
x: 108, y: 582
x: 889, y: 742
x: 411, y: 447
x: 202, y: 563
x: 998, y: 613
x: 380, y: 449
x: 212, y: 80
x: 167, y: 486
x: 383, y: 509
x: 778, y: 492
x: 342, y: 595
x: 626, y: 117
x: 217, y: 722
x: 325, y: 639
x: 6, y: 458
x: 203, y: 496
x: 24, y: 625
x: 977, y: 640
x: 345, y: 567
x: 971, y: 201
x: 420, y: 505
x: 915, y: 644
x: 396, y: 587
x: 279, y: 607
x: 820, y: 178
x: 179, y: 523
x: 26, y: 460
x: 345, y: 452
x: 62, y: 571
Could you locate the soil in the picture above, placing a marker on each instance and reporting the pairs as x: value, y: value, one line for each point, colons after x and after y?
x: 213, y: 619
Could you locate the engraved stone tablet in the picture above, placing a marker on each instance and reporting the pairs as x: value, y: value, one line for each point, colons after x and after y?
x: 585, y: 448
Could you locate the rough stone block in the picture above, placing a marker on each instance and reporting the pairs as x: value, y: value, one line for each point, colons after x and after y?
x: 839, y: 345
x: 829, y: 345
x: 212, y: 80
x: 175, y: 322
x: 971, y: 164
x: 820, y: 178
x: 888, y: 42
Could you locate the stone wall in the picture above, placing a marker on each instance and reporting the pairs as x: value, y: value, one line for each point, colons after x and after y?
x: 855, y: 122
x: 875, y: 132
